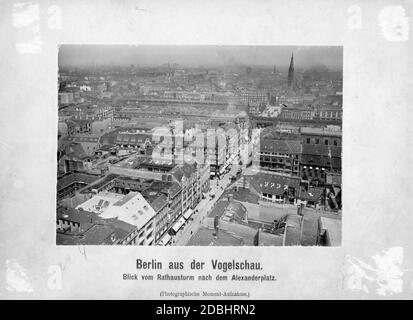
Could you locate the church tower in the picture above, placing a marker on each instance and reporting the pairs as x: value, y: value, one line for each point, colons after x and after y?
x: 291, y: 72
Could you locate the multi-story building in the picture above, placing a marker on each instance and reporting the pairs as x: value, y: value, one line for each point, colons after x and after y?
x: 163, y: 196
x: 318, y: 160
x: 138, y: 139
x: 331, y: 114
x: 134, y: 209
x: 74, y: 227
x: 289, y: 113
x: 168, y: 214
x: 109, y: 218
x: 329, y: 135
x: 70, y: 182
x: 253, y: 98
x: 204, y: 177
x: 281, y: 156
x: 90, y: 143
x: 187, y: 175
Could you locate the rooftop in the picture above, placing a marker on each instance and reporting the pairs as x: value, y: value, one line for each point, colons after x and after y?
x: 321, y: 150
x: 172, y: 188
x: 72, y: 177
x: 132, y: 208
x: 185, y: 169
x: 281, y: 146
x: 292, y: 232
x: 312, y: 194
x: 272, y: 183
x: 333, y: 229
x: 320, y: 161
x: 100, y: 183
x: 205, y: 237
x: 245, y: 234
x: 100, y: 202
x: 155, y: 198
x: 98, y: 234
x: 321, y: 131
x: 83, y: 217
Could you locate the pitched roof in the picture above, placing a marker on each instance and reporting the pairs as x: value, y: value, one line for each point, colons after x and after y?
x: 185, y: 169
x: 321, y: 131
x: 205, y: 237
x: 321, y: 150
x: 82, y: 138
x: 68, y: 179
x: 75, y: 151
x: 281, y: 146
x: 320, y: 161
x: 171, y: 188
x: 74, y: 215
x: 156, y: 199
x: 98, y: 234
x: 269, y: 239
x: 133, y: 209
x: 133, y: 138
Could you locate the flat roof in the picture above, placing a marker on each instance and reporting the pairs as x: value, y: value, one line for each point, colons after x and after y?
x: 100, y: 202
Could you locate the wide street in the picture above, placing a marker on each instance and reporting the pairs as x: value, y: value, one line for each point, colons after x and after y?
x: 204, y: 207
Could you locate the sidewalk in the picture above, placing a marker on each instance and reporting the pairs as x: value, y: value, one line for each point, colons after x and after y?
x: 205, y: 205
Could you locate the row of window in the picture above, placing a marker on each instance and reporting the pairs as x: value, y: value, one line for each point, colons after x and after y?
x: 270, y: 159
x: 326, y: 141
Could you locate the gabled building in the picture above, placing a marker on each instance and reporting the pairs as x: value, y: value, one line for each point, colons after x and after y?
x: 135, y: 140
x: 75, y: 227
x: 135, y: 210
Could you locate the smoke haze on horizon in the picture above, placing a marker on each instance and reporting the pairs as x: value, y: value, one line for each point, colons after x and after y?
x: 193, y: 56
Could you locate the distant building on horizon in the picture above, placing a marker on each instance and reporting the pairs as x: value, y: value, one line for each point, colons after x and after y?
x: 291, y: 72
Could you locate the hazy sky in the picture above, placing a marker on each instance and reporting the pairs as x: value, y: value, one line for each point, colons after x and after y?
x: 304, y: 56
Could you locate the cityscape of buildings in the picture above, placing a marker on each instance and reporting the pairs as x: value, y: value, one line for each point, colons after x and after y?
x: 227, y: 155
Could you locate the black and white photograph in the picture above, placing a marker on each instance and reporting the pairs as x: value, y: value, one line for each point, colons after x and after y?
x: 199, y: 145
x: 199, y: 150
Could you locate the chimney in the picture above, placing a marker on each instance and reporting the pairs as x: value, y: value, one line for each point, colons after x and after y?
x: 257, y: 238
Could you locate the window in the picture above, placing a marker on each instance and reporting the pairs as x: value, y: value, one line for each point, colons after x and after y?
x: 308, y: 140
x: 335, y: 142
x: 317, y: 141
x: 326, y: 142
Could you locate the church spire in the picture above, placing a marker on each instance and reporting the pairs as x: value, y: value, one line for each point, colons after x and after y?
x: 291, y: 71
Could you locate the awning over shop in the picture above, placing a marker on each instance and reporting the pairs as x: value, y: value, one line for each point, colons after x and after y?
x: 178, y: 224
x: 188, y: 214
x: 164, y: 240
